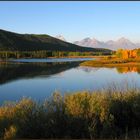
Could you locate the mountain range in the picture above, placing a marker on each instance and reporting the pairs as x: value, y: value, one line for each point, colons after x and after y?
x: 113, y: 45
x: 10, y: 41
x: 123, y: 43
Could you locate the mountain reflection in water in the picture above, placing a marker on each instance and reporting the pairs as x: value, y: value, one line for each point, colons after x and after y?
x: 126, y: 69
x: 14, y: 71
x: 40, y: 80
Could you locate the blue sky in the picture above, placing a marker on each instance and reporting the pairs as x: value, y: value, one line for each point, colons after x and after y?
x: 73, y: 20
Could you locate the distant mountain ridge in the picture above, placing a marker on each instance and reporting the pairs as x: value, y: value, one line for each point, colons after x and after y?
x: 113, y: 45
x: 10, y: 41
x: 90, y: 42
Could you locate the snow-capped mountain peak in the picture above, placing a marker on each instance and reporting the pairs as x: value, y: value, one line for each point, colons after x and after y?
x: 60, y: 37
x: 122, y: 42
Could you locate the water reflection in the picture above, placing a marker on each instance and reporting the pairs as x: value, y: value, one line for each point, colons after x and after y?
x: 15, y: 71
x: 40, y: 80
x: 128, y: 69
x: 120, y: 70
x: 88, y: 69
x: 34, y: 60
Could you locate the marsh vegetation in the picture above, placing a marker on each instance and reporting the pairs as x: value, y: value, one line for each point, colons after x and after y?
x: 119, y: 59
x: 112, y: 62
x: 109, y: 113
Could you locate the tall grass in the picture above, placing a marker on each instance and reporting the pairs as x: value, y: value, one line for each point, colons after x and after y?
x: 112, y: 62
x: 108, y: 113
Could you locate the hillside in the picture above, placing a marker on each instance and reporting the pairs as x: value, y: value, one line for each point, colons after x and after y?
x: 10, y: 41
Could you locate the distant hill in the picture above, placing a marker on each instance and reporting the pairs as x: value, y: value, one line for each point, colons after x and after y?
x: 10, y: 41
x: 113, y: 45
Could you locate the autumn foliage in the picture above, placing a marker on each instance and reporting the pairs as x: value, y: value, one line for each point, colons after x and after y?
x: 111, y: 113
x: 125, y: 54
x: 128, y: 69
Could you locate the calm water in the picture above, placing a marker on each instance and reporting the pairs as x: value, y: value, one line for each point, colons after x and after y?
x: 51, y: 60
x: 39, y: 80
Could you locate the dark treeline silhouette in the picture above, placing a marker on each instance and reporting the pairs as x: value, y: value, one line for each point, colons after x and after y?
x: 44, y: 54
x: 101, y: 114
x: 14, y: 71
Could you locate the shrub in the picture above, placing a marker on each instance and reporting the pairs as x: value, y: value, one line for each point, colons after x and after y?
x: 111, y: 113
x: 10, y: 133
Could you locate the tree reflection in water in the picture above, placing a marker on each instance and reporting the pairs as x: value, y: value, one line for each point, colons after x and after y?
x: 14, y: 71
x: 128, y: 69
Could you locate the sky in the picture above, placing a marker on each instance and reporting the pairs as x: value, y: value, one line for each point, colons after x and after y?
x: 74, y: 20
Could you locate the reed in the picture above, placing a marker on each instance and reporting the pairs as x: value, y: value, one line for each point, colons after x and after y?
x: 107, y: 113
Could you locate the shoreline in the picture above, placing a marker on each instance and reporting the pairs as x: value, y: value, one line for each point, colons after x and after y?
x: 112, y: 63
x: 9, y: 60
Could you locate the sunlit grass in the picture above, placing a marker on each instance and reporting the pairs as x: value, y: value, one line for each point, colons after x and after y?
x: 112, y: 62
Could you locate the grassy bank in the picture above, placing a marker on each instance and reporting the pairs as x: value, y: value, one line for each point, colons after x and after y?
x: 110, y: 113
x: 112, y: 62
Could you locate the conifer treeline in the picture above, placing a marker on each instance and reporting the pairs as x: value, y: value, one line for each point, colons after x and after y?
x: 45, y: 54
